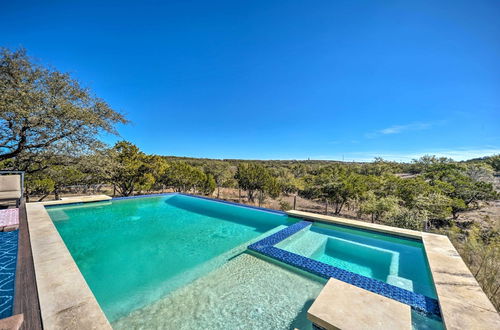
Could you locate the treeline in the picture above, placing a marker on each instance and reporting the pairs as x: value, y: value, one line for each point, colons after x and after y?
x: 416, y: 195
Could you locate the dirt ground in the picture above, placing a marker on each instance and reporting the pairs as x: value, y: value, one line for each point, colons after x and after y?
x: 487, y: 216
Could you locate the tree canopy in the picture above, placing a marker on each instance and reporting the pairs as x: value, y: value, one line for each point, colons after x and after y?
x: 44, y: 111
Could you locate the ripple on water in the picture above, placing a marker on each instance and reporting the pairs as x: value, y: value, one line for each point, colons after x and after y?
x: 245, y: 293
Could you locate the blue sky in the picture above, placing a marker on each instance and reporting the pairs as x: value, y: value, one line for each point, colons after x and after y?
x: 281, y: 79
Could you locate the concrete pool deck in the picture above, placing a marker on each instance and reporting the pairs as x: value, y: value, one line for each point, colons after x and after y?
x: 463, y: 303
x: 66, y: 301
x: 76, y: 199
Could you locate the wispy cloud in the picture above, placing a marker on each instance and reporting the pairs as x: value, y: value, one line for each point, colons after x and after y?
x: 397, y: 129
x: 402, y: 128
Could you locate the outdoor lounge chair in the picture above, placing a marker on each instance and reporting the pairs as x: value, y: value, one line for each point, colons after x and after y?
x: 11, y: 186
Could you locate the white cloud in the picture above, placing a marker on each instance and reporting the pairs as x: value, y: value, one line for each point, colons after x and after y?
x: 401, y: 128
x: 396, y: 129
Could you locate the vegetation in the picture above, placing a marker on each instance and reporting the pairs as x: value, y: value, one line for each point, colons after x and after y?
x: 50, y: 127
x: 47, y: 114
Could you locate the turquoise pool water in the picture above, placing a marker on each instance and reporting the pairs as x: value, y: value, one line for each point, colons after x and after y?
x: 394, y: 260
x: 246, y: 293
x: 179, y: 262
x: 133, y: 252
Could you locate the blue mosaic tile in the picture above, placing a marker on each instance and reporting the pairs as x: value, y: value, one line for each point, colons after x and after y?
x: 265, y: 246
x: 279, y: 236
x: 8, y: 261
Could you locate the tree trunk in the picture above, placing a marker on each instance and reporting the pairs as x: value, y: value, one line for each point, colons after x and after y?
x: 250, y: 196
x: 326, y: 206
x: 218, y: 191
x: 294, y: 201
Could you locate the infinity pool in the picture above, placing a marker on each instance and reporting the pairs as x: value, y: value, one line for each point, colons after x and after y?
x: 135, y: 251
x: 181, y: 262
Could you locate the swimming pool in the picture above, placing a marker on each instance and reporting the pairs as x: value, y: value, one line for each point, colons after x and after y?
x: 181, y: 262
x: 134, y: 251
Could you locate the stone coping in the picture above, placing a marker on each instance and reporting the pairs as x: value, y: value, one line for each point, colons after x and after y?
x: 344, y: 306
x: 76, y: 199
x: 357, y: 223
x: 66, y: 301
x: 463, y: 303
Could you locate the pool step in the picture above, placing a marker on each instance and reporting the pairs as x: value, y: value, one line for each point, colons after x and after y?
x: 308, y: 244
x: 400, y: 282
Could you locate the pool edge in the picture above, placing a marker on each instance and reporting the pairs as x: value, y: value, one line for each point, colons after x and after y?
x: 357, y: 224
x: 66, y: 301
x: 463, y: 303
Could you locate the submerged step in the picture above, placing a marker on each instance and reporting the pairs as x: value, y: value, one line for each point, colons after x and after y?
x: 306, y: 243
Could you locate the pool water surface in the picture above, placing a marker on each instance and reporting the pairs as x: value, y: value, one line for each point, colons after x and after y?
x: 180, y: 262
x: 134, y: 251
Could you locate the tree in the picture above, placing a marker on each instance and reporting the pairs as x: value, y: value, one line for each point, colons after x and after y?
x: 44, y: 111
x: 208, y: 185
x: 406, y: 218
x: 64, y: 176
x: 183, y: 177
x: 254, y: 177
x: 154, y: 168
x: 288, y: 183
x: 494, y: 162
x: 128, y: 165
x: 379, y: 208
x: 335, y: 185
x: 220, y: 171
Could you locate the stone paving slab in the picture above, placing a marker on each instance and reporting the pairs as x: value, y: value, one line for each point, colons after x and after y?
x: 463, y: 303
x: 66, y: 301
x: 76, y: 199
x: 344, y: 306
